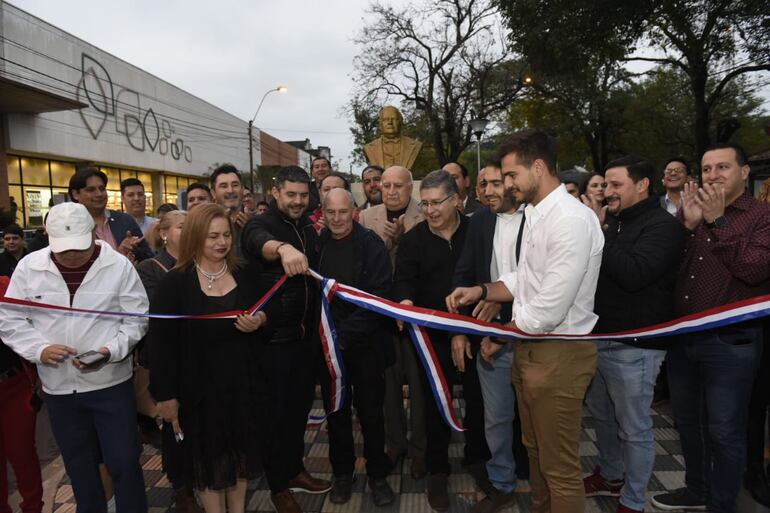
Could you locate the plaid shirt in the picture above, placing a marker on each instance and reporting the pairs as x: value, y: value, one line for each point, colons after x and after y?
x: 727, y: 264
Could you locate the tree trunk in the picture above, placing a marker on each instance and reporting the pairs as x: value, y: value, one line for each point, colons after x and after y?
x: 698, y: 78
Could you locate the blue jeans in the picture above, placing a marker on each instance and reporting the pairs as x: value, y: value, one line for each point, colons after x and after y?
x: 619, y: 399
x: 499, y: 403
x: 711, y: 375
x: 94, y: 426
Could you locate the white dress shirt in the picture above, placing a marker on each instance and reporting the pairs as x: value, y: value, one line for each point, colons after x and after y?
x: 671, y: 207
x: 561, y: 254
x: 504, y: 244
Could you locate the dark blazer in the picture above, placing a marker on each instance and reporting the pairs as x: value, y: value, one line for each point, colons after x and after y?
x: 472, y: 206
x: 473, y: 266
x: 120, y: 223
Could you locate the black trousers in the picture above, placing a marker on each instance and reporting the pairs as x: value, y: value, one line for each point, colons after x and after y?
x: 289, y: 370
x: 438, y: 433
x: 366, y: 392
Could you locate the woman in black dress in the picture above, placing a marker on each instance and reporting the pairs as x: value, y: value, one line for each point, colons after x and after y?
x: 204, y: 373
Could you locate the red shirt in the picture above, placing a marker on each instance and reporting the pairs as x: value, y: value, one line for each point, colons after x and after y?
x: 727, y: 264
x: 74, y: 276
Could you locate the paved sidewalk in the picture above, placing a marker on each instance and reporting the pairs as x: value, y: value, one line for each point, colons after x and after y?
x: 668, y: 474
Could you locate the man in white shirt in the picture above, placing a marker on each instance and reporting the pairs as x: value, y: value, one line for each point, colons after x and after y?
x: 83, y: 359
x: 553, y: 292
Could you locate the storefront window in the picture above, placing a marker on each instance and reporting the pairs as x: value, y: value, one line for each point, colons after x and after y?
x: 35, y: 172
x: 113, y: 177
x: 61, y: 172
x: 14, y: 191
x: 37, y: 184
x: 113, y: 200
x: 14, y: 176
x: 36, y: 201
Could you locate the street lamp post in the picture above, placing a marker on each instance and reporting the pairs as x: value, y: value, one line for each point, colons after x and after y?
x: 280, y: 89
x: 478, y: 125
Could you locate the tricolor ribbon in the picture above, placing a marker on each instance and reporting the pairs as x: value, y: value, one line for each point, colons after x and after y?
x: 230, y: 314
x: 438, y: 384
x: 418, y: 318
x: 331, y: 350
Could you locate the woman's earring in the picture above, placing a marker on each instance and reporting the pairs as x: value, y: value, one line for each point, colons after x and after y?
x: 165, y: 240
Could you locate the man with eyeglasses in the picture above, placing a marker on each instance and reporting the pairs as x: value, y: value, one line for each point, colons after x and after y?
x: 398, y: 214
x: 675, y: 176
x: 425, y: 265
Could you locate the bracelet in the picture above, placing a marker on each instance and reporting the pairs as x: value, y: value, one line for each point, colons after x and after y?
x: 279, y: 246
x: 484, y: 292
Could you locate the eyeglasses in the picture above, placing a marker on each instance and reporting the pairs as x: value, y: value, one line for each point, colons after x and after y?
x: 435, y: 204
x: 676, y: 171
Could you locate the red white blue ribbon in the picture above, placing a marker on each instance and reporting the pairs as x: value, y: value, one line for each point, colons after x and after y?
x: 331, y: 350
x: 230, y: 314
x: 438, y: 384
x: 731, y: 313
x: 418, y: 318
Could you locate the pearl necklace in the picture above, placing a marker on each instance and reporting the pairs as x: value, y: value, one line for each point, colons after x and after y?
x: 212, y: 277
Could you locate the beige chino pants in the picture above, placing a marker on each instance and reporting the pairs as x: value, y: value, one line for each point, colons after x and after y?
x: 551, y: 378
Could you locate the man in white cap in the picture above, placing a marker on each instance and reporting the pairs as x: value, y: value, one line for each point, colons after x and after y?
x: 82, y: 359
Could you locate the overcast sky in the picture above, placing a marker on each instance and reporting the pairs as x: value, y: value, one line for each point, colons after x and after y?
x: 230, y: 52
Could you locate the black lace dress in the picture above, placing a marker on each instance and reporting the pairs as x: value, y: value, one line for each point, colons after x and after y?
x: 212, y: 369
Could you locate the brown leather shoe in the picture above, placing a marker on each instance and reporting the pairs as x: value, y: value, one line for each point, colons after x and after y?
x: 419, y: 468
x: 304, y: 482
x: 283, y: 502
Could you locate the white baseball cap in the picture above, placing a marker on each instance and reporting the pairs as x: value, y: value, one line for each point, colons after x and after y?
x: 69, y: 226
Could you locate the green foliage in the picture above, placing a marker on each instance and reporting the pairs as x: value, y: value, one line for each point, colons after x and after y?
x: 441, y: 59
x: 581, y: 64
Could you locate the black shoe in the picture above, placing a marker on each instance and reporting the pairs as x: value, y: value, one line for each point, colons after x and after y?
x: 382, y: 493
x: 756, y: 485
x: 342, y: 488
x: 494, y: 502
x: 680, y: 499
x: 438, y: 495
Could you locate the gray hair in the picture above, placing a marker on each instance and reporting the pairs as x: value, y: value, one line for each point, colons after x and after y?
x: 348, y: 194
x: 440, y: 179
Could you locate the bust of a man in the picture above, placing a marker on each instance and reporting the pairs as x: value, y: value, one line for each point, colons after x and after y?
x: 392, y: 148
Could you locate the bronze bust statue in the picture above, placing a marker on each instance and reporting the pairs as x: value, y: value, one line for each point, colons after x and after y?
x: 392, y: 148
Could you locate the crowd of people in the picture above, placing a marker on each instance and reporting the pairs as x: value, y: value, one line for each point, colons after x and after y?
x: 231, y: 387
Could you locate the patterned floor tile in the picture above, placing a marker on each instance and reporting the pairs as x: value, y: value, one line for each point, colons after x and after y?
x: 410, y: 496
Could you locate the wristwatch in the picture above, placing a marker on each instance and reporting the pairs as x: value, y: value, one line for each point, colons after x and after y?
x: 719, y: 222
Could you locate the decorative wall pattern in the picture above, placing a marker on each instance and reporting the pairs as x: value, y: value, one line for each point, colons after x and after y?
x: 143, y: 129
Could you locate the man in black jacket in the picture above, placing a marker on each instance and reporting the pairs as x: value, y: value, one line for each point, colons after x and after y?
x: 425, y: 264
x: 643, y: 248
x: 283, y: 241
x: 355, y: 256
x: 492, y: 249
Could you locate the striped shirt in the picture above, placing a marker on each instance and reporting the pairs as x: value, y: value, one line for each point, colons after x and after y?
x: 73, y: 276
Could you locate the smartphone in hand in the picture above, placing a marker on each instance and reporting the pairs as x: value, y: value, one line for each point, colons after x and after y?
x: 91, y: 357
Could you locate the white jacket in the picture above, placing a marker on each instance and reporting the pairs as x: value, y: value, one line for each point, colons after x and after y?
x: 111, y: 284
